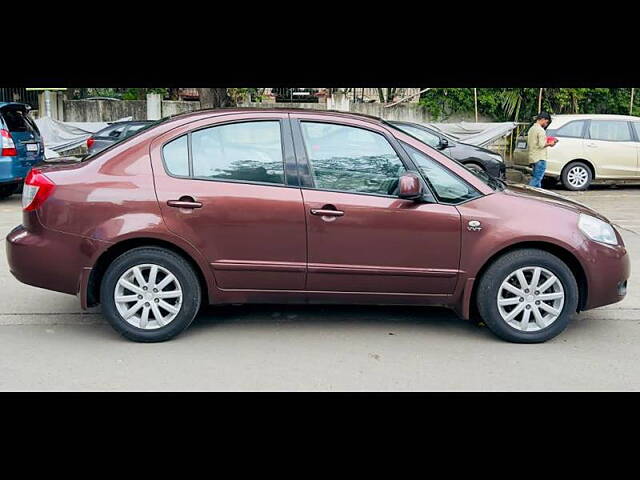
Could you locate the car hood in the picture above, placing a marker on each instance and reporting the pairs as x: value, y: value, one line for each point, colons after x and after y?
x: 551, y: 198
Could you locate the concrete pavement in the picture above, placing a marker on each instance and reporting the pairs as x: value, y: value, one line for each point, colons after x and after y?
x: 48, y: 343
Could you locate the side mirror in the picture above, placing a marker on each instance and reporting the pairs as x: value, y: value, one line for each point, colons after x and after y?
x: 444, y: 143
x: 410, y: 187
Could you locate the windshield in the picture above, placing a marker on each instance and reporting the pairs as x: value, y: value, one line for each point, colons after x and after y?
x: 494, y: 183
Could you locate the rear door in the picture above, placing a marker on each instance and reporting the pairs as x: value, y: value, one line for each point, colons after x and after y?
x: 611, y: 147
x: 228, y: 185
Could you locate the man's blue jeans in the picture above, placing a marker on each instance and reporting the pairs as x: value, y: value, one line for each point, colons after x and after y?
x: 538, y: 173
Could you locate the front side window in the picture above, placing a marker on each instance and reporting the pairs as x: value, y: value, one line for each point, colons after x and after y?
x: 447, y: 186
x: 248, y: 151
x: 636, y: 126
x: 571, y: 130
x: 612, y: 131
x: 351, y: 159
x: 422, y: 135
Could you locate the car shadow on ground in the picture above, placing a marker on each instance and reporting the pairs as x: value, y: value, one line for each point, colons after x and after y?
x: 389, y: 317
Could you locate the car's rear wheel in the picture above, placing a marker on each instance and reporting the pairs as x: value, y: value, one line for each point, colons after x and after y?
x: 576, y: 176
x: 150, y: 294
x: 527, y: 296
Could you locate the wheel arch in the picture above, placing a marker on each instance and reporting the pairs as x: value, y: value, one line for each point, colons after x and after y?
x: 562, y: 253
x: 582, y: 160
x: 114, y: 251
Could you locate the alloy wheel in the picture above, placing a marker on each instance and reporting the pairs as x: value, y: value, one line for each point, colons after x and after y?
x: 148, y: 296
x: 530, y: 299
x: 577, y: 176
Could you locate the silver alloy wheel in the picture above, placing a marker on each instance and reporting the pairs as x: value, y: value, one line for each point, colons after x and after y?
x: 530, y: 299
x: 577, y: 176
x: 148, y: 296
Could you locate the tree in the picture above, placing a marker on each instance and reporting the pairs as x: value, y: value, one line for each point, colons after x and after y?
x: 215, y: 98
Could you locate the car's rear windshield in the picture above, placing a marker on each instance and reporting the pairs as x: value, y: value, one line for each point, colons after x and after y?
x: 18, y: 120
x: 120, y: 139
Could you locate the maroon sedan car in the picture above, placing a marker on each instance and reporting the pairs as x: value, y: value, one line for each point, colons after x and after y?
x: 290, y: 206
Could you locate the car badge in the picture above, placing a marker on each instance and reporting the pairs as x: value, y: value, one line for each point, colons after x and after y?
x: 474, y: 226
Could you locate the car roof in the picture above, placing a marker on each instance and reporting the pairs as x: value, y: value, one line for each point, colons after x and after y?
x: 228, y: 111
x: 16, y: 104
x: 594, y: 116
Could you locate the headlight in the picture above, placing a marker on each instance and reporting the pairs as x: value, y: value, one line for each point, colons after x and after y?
x: 496, y: 156
x: 597, y: 230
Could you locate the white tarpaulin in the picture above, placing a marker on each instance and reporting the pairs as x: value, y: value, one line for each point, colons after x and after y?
x: 61, y: 136
x: 479, y: 134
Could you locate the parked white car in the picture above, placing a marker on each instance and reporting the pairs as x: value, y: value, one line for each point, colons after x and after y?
x: 590, y: 147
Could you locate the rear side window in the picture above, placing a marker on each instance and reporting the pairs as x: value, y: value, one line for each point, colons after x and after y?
x: 613, y: 131
x: 248, y: 151
x: 17, y: 121
x: 636, y: 126
x: 447, y: 186
x: 176, y: 156
x: 571, y: 130
x: 351, y: 159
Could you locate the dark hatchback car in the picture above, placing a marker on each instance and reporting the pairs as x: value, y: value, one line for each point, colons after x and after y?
x: 475, y: 158
x: 113, y: 133
x: 288, y: 206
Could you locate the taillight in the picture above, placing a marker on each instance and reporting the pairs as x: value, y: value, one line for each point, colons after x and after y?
x: 90, y: 142
x: 37, y: 188
x: 8, y: 147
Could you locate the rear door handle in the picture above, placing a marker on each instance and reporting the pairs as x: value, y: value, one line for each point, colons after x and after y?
x: 589, y: 144
x: 326, y: 213
x: 184, y: 203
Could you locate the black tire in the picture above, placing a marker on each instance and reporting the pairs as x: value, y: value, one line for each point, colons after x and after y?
x: 8, y: 190
x: 498, y: 271
x: 584, y: 172
x: 549, y: 182
x: 167, y: 259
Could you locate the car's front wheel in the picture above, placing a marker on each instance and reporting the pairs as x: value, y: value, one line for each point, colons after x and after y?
x: 527, y: 296
x: 150, y: 294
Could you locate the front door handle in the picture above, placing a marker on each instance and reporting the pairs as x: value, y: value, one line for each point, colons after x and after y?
x: 184, y: 203
x: 589, y: 144
x: 326, y: 213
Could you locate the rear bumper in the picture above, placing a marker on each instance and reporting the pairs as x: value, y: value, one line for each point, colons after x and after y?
x: 13, y: 170
x: 51, y: 260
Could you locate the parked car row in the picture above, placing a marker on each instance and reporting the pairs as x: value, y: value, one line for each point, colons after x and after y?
x: 298, y: 206
x: 113, y: 133
x: 590, y: 148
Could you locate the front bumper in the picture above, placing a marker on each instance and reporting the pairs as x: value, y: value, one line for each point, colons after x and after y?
x: 608, y: 270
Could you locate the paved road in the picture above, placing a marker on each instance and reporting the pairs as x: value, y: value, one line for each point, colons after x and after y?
x: 48, y: 343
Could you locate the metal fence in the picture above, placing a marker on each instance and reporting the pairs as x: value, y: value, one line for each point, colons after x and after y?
x: 19, y: 95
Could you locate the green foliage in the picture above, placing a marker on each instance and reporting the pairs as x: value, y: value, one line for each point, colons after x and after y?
x: 521, y: 104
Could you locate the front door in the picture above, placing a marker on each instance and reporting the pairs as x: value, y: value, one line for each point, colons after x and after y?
x: 223, y: 188
x: 361, y: 236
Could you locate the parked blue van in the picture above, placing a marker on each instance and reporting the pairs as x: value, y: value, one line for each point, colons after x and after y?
x: 21, y: 146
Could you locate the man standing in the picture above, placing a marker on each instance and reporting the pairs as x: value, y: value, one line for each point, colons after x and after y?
x: 537, y: 142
